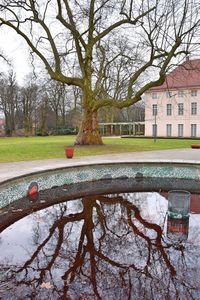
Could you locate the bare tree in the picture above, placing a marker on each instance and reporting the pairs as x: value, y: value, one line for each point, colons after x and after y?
x: 80, y: 43
x: 28, y: 106
x: 8, y: 100
x: 57, y: 94
x: 43, y: 112
x: 133, y: 114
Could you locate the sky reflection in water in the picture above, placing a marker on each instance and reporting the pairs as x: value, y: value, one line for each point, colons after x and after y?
x: 113, y: 246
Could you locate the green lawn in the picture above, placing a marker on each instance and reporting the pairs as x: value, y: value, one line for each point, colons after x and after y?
x: 32, y: 148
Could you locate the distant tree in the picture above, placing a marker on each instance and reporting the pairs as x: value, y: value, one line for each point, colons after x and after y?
x: 8, y: 100
x: 42, y: 114
x: 135, y: 113
x: 82, y: 43
x: 58, y: 100
x: 29, y: 96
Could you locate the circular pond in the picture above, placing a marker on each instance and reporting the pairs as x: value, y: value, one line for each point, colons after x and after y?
x: 99, y: 240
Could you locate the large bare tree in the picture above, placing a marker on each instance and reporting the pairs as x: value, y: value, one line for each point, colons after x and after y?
x: 82, y: 43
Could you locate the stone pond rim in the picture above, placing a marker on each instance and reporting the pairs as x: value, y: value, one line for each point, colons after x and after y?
x: 145, y: 175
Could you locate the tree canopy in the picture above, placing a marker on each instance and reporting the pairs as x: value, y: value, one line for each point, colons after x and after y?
x: 112, y: 50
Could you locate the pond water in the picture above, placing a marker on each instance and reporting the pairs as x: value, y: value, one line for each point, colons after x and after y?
x: 117, y: 245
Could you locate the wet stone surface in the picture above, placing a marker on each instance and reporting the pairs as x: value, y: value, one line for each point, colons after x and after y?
x: 98, y: 241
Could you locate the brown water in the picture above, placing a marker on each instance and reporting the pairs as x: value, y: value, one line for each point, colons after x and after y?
x: 112, y: 246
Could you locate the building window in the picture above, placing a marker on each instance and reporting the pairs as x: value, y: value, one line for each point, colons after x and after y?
x: 180, y: 130
x: 193, y: 130
x: 193, y: 93
x: 168, y: 94
x: 169, y: 109
x: 169, y: 129
x: 180, y: 93
x: 154, y: 109
x: 180, y: 109
x: 194, y: 108
x: 154, y: 130
x: 154, y: 95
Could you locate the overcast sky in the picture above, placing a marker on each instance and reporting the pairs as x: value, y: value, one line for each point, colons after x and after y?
x: 15, y: 49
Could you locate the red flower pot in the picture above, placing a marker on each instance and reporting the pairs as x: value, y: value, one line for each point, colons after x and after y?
x: 33, y: 191
x: 69, y: 152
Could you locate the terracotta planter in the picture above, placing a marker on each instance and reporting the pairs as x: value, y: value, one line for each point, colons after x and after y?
x: 69, y: 152
x: 195, y: 146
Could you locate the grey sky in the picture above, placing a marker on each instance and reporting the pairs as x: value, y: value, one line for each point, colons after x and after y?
x: 15, y: 49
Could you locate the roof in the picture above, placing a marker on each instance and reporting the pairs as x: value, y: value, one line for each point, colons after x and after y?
x: 186, y: 75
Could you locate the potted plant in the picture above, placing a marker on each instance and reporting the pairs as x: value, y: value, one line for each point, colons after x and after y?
x: 69, y: 151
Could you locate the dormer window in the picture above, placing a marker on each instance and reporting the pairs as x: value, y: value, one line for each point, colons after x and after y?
x: 181, y: 93
x: 168, y: 94
x: 193, y: 93
x: 154, y: 95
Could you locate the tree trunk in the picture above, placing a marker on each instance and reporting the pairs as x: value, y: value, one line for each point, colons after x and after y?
x: 89, y: 130
x: 43, y: 118
x: 56, y: 117
x: 26, y: 119
x: 8, y: 131
x: 26, y: 126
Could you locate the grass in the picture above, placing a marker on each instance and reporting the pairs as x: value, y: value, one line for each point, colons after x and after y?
x: 33, y: 148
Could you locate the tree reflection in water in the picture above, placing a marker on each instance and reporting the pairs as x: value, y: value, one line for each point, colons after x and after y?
x: 99, y: 247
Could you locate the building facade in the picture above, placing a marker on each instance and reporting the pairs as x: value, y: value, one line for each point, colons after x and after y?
x: 173, y: 109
